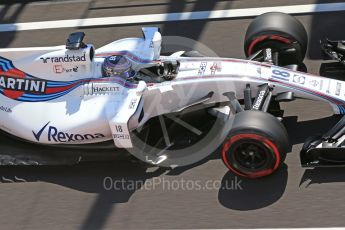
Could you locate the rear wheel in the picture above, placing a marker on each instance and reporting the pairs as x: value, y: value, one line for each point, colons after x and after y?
x: 280, y: 32
x: 256, y: 146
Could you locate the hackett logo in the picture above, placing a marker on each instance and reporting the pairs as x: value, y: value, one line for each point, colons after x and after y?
x: 105, y: 89
x: 66, y: 58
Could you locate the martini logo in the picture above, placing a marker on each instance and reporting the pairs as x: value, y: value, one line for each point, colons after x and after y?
x: 54, y: 135
x: 64, y: 59
x: 22, y: 84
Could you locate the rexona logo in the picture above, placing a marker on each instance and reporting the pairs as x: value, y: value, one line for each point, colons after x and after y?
x: 54, y: 135
x: 63, y: 59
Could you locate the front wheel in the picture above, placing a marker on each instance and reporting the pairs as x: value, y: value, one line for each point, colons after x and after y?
x: 256, y: 146
x: 280, y: 32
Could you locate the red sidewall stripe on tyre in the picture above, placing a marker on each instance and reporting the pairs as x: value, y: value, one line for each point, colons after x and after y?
x: 264, y: 37
x: 255, y: 137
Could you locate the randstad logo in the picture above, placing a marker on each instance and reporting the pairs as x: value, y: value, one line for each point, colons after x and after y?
x: 63, y: 59
x: 54, y: 135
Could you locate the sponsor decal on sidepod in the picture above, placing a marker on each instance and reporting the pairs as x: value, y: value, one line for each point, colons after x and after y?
x: 54, y: 135
x: 22, y: 84
x: 5, y: 109
x: 105, y: 89
x: 260, y: 98
x: 66, y: 58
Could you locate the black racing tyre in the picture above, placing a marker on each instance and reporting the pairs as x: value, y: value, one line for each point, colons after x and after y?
x: 256, y: 146
x: 274, y: 30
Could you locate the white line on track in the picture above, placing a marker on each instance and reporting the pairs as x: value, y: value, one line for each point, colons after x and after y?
x: 44, y: 3
x: 156, y: 18
x: 333, y: 228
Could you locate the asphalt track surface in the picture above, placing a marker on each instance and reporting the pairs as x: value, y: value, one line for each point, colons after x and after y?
x: 77, y: 198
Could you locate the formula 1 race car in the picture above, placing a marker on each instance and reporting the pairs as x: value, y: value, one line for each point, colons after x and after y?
x: 58, y: 100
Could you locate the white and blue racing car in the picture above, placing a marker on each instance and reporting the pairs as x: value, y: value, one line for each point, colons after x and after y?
x: 77, y: 97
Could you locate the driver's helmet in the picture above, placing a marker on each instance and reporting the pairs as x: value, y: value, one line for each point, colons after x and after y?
x: 117, y: 66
